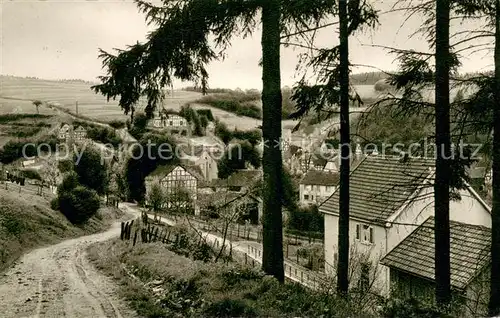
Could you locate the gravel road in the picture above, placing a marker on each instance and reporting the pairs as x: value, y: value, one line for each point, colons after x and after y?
x: 59, y: 281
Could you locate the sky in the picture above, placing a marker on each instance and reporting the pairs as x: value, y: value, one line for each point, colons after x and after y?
x: 59, y: 39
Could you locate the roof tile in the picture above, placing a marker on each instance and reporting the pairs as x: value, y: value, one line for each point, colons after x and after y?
x: 469, y: 252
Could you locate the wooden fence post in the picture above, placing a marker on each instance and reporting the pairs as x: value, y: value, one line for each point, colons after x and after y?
x: 122, y: 230
x: 135, y: 238
x: 156, y: 234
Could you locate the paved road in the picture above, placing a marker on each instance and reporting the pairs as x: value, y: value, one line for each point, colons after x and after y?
x: 59, y: 281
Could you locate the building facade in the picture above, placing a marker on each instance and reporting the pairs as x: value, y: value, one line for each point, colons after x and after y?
x: 389, y: 198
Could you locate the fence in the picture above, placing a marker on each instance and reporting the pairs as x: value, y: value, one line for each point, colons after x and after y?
x: 248, y: 255
x: 27, y: 189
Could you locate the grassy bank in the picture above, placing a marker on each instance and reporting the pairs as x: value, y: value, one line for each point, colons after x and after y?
x: 27, y: 222
x: 159, y: 283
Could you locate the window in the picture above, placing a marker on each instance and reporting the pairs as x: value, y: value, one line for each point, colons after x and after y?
x: 364, y: 233
x: 181, y: 123
x: 171, y: 123
x: 306, y: 197
x: 312, y: 197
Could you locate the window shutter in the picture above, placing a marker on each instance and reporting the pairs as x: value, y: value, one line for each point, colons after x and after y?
x: 358, y: 231
x: 371, y: 235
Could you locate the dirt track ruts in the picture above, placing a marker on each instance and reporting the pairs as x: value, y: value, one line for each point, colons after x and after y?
x: 59, y: 281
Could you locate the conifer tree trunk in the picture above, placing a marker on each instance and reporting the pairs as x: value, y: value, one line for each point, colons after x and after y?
x: 272, y: 235
x: 494, y: 304
x: 345, y: 140
x: 442, y: 181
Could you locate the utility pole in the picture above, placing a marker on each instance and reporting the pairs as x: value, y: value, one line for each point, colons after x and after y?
x: 76, y: 106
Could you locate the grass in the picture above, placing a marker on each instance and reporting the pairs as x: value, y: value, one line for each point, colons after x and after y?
x: 17, y: 91
x: 160, y: 283
x: 27, y: 222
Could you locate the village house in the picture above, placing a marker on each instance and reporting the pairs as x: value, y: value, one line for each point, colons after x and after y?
x: 64, y: 132
x: 235, y: 206
x: 80, y: 133
x: 389, y: 198
x: 175, y: 177
x: 316, y: 186
x: 412, y: 267
x: 239, y: 183
x: 204, y: 159
x: 172, y: 123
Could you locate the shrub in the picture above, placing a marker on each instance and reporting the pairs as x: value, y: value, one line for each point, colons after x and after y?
x: 228, y: 307
x: 31, y: 174
x: 307, y: 219
x: 65, y: 165
x: 54, y: 204
x: 411, y: 308
x: 118, y: 124
x: 13, y: 150
x: 79, y: 204
x: 91, y: 172
x: 13, y: 225
x: 69, y: 183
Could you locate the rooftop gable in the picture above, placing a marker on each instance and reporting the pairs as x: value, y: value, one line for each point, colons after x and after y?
x: 380, y: 185
x: 469, y: 252
x: 318, y: 177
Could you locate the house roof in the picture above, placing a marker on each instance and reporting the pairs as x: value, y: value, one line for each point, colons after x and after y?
x: 240, y: 178
x: 79, y: 129
x: 469, y: 252
x: 219, y: 199
x: 380, y: 185
x: 317, y: 177
x: 164, y: 170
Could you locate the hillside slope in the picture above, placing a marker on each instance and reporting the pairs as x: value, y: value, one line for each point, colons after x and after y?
x: 27, y: 221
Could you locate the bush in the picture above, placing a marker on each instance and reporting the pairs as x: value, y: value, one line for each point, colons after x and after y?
x: 118, y: 124
x: 13, y: 225
x: 228, y: 307
x: 411, y: 308
x: 65, y: 165
x: 13, y: 150
x: 31, y: 174
x: 91, y: 172
x: 79, y: 204
x: 307, y: 219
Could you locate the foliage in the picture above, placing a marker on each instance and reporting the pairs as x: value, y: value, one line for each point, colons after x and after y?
x: 11, y: 118
x: 411, y: 308
x: 193, y: 117
x: 65, y: 165
x: 118, y: 124
x: 69, y: 183
x: 23, y: 132
x: 139, y: 125
x: 99, y: 133
x: 207, y: 113
x: 13, y: 225
x: 237, y: 157
x: 31, y: 174
x: 239, y: 104
x: 226, y: 135
x: 13, y: 149
x: 156, y: 197
x: 79, y: 204
x: 306, y: 219
x: 137, y: 170
x: 91, y: 170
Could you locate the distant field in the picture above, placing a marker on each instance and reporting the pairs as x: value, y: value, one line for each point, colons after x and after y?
x: 67, y: 93
x: 17, y: 93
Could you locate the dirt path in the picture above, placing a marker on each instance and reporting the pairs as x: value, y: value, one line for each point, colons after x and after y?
x: 59, y: 281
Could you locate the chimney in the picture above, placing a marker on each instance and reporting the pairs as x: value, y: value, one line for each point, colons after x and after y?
x: 358, y: 152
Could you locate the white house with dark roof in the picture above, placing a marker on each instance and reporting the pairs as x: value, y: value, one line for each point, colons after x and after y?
x: 389, y: 199
x: 316, y: 186
x: 411, y: 265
